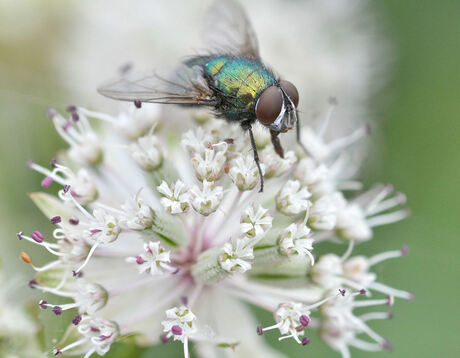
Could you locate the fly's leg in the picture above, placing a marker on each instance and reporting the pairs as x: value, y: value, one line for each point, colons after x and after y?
x: 247, y: 126
x: 277, y: 144
x: 297, y: 128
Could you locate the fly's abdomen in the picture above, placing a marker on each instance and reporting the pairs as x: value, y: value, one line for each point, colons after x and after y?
x: 242, y: 80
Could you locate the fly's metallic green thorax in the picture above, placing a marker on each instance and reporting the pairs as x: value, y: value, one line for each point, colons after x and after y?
x: 238, y: 81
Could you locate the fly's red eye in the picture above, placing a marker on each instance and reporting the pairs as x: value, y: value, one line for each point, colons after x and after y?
x: 291, y: 91
x: 269, y: 105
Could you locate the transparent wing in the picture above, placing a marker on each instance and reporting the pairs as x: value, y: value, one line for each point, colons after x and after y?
x: 185, y: 85
x: 227, y: 28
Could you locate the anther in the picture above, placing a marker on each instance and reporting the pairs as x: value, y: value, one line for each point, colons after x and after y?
x: 26, y: 258
x: 138, y: 103
x: 139, y: 260
x: 404, y: 250
x: 304, y: 320
x: 37, y: 236
x: 66, y: 188
x: 57, y: 352
x: 260, y: 330
x: 176, y: 330
x: 46, y: 182
x: 51, y: 113
x: 305, y: 341
x: 164, y: 338
x: 57, y: 310
x: 362, y: 292
x: 20, y: 235
x: 53, y: 162
x: 43, y: 304
x: 33, y: 284
x: 76, y: 320
x: 75, y: 116
x: 74, y: 221
x: 386, y: 344
x: 71, y: 108
x: 55, y: 220
x: 390, y: 300
x: 184, y: 300
x: 342, y: 292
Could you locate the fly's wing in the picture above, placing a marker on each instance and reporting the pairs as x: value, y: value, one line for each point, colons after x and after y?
x: 227, y: 28
x: 186, y: 85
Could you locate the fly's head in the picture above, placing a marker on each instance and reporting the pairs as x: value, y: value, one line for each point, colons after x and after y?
x: 276, y: 107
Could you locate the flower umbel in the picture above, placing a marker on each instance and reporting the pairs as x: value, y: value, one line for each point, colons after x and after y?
x: 193, y: 224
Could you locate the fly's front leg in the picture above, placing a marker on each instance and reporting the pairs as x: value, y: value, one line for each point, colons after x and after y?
x: 297, y: 127
x: 248, y: 127
x: 277, y: 144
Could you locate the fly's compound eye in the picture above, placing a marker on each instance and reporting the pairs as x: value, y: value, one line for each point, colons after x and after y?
x: 291, y: 91
x: 269, y: 105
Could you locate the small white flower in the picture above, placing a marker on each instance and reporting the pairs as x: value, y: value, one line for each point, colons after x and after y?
x: 176, y: 197
x: 154, y: 260
x: 195, y: 141
x: 262, y: 136
x: 206, y: 201
x: 104, y: 229
x: 237, y: 256
x: 147, y: 153
x: 327, y: 271
x: 323, y: 213
x: 135, y: 122
x: 90, y: 297
x: 274, y: 164
x: 255, y: 222
x: 100, y: 333
x: 351, y: 223
x: 297, y: 240
x: 292, y: 199
x: 88, y: 151
x: 209, y: 163
x: 244, y: 172
x: 137, y: 215
x: 180, y: 323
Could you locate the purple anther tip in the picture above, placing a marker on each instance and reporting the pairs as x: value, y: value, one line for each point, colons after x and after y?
x: 404, y: 250
x: 176, y: 330
x: 305, y: 340
x: 139, y: 260
x: 75, y: 116
x: 33, y: 284
x: 20, y: 235
x: 66, y: 188
x: 57, y: 310
x: 43, y: 304
x: 57, y: 352
x: 138, y: 103
x: 386, y: 344
x: 76, y: 320
x: 260, y: 330
x: 164, y: 338
x: 53, y: 162
x: 74, y: 221
x: 55, y: 220
x: 71, y: 108
x: 37, y: 236
x: 184, y: 300
x: 46, y: 182
x: 304, y: 320
x: 342, y: 292
x: 390, y: 300
x: 362, y: 292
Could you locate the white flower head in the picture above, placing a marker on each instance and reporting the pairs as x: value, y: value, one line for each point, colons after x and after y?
x: 296, y: 240
x: 237, y: 256
x: 292, y: 199
x: 255, y: 221
x: 90, y: 297
x: 176, y: 197
x: 155, y: 260
x: 206, y: 200
x: 244, y: 172
x: 146, y: 152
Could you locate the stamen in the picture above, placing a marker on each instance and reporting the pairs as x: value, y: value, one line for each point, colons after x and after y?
x: 91, y: 252
x: 388, y: 218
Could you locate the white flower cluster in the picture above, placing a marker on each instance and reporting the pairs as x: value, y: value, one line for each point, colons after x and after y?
x: 188, y: 229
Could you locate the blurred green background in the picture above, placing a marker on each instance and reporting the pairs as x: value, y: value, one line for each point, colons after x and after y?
x: 418, y: 116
